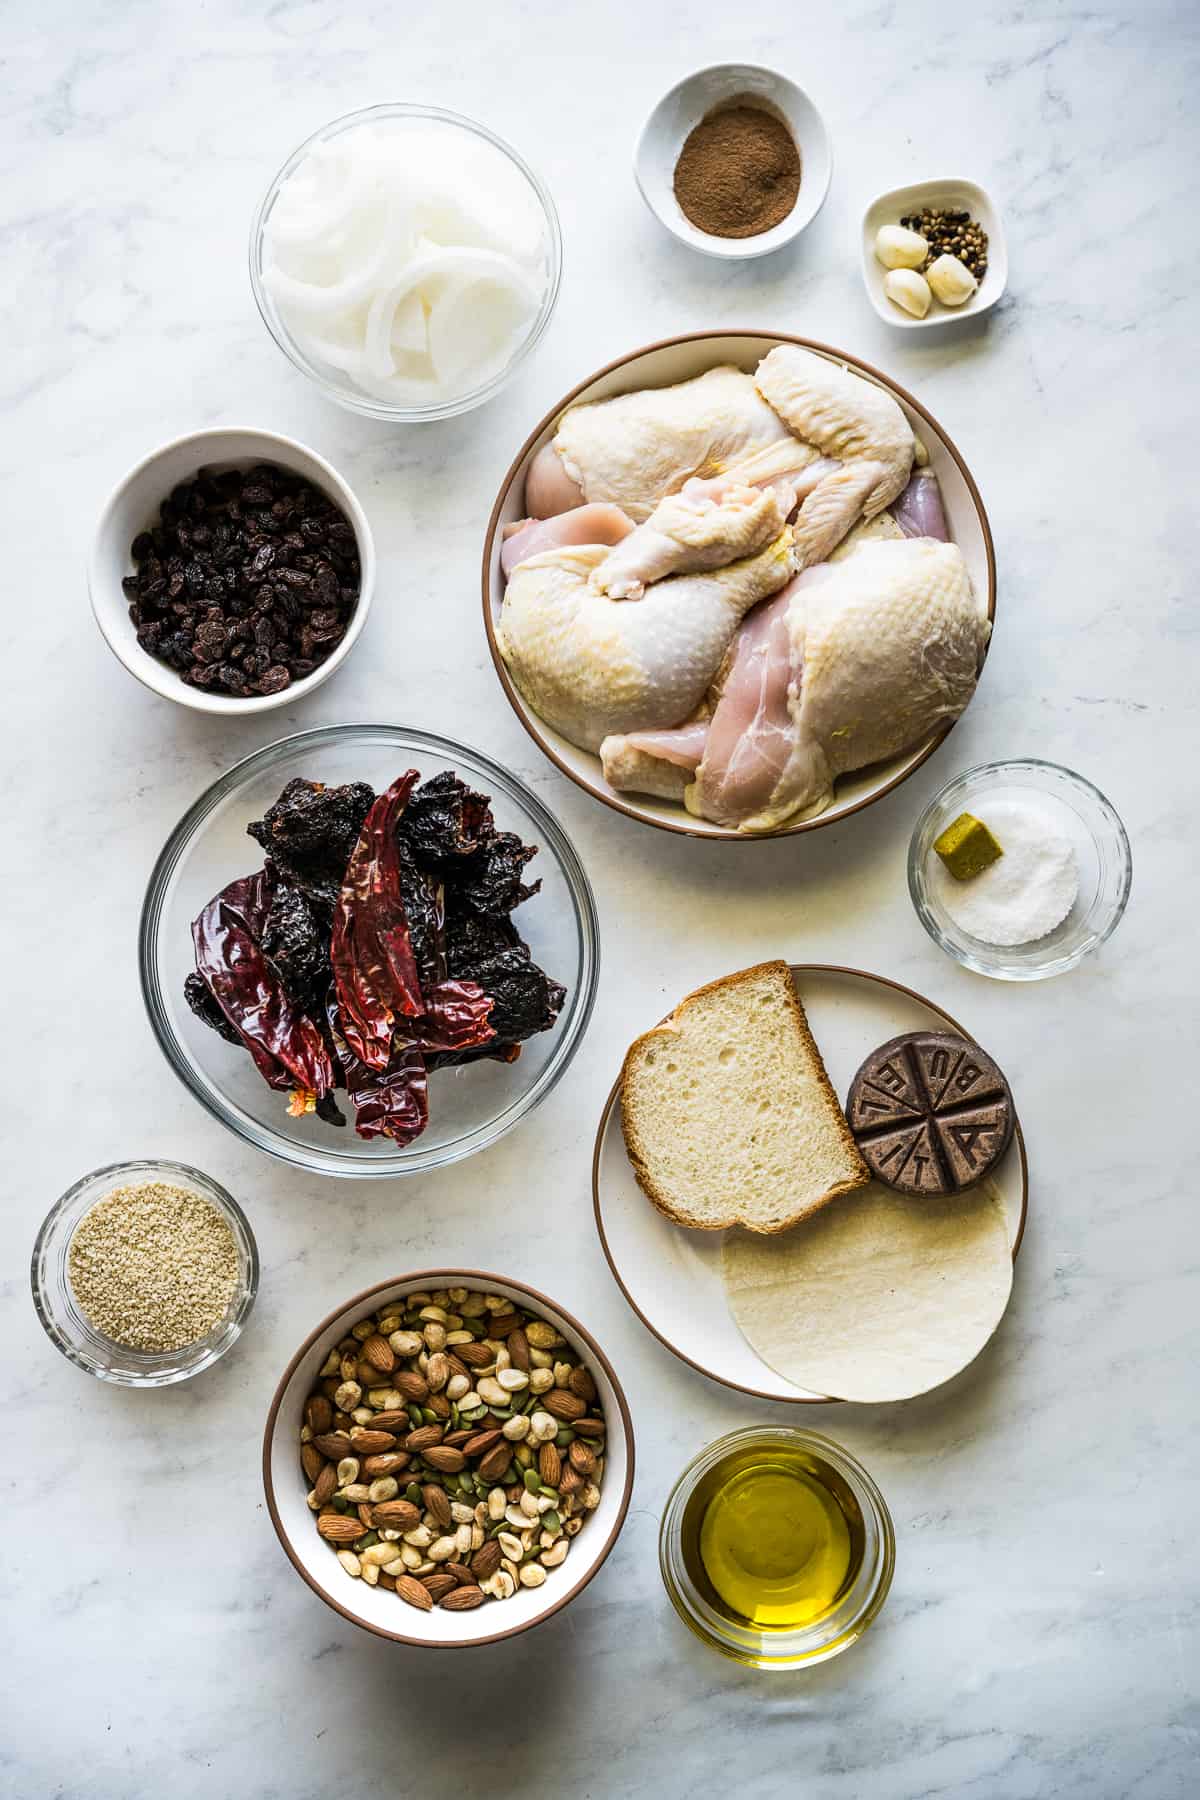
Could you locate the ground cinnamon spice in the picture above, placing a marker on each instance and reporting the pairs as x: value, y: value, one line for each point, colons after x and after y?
x: 738, y: 173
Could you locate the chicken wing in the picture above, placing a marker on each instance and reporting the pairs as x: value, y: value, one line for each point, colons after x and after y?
x: 706, y: 525
x: 591, y: 666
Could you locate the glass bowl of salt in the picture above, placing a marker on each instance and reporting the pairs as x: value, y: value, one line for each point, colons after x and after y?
x: 1056, y: 891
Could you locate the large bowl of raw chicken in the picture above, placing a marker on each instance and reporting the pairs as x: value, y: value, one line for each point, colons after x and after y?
x: 738, y: 584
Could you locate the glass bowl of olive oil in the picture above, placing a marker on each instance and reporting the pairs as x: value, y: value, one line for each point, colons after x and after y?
x: 776, y: 1547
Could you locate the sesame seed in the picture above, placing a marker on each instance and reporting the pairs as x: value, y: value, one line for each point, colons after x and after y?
x: 153, y: 1267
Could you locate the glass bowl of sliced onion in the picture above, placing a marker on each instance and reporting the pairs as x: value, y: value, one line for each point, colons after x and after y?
x: 407, y: 260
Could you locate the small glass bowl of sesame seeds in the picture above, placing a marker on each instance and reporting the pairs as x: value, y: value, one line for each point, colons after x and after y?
x: 144, y: 1273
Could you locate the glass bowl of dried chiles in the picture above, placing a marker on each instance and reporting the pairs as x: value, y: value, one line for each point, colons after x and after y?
x: 369, y: 950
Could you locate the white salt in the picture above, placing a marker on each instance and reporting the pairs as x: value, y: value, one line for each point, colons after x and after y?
x: 1029, y: 889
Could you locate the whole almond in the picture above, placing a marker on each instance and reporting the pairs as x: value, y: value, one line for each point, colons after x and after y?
x: 549, y: 1465
x: 570, y: 1481
x: 476, y: 1356
x: 561, y: 1403
x: 318, y: 1414
x: 500, y: 1324
x: 412, y: 1384
x: 480, y: 1442
x: 459, y: 1438
x: 333, y: 1444
x: 379, y: 1353
x: 410, y: 1589
x: 395, y: 1515
x: 445, y: 1458
x: 439, y: 1405
x: 311, y: 1461
x: 437, y: 1502
x: 588, y: 1428
x: 462, y: 1599
x: 518, y: 1349
x: 437, y: 1372
x: 582, y: 1457
x: 325, y: 1485
x: 364, y: 1510
x: 461, y: 1574
x: 392, y: 1420
x: 493, y: 1465
x: 389, y: 1462
x: 423, y: 1438
x: 387, y: 1581
x: 369, y: 1442
x: 438, y: 1584
x: 456, y: 1365
x: 340, y: 1528
x: 486, y: 1560
x: 580, y: 1382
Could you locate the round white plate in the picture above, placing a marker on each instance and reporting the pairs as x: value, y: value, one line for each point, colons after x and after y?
x: 672, y: 1277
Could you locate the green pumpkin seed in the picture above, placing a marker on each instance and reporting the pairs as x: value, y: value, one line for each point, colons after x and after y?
x: 429, y: 1417
x: 364, y: 1543
x: 454, y: 1415
x: 533, y: 1481
x: 564, y: 1436
x: 551, y: 1493
x: 551, y: 1521
x: 412, y: 1494
x: 414, y: 1413
x: 341, y: 1505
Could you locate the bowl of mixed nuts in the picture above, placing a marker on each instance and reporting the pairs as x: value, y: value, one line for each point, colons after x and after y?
x: 448, y: 1458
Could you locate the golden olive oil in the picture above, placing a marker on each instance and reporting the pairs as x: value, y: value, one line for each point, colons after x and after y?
x: 772, y: 1537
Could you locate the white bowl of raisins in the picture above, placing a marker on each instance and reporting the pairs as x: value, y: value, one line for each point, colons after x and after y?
x: 232, y: 571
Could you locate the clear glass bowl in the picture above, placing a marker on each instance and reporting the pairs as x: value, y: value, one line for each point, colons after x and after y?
x: 1102, y: 854
x: 785, y: 1647
x: 67, y: 1326
x: 339, y: 387
x: 469, y: 1107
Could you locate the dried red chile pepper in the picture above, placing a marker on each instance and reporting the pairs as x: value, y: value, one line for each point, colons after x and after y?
x: 379, y: 933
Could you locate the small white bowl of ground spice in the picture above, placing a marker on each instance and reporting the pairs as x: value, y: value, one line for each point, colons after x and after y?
x: 144, y: 1273
x: 734, y: 161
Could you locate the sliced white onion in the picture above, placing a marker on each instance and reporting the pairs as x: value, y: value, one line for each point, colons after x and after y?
x: 411, y: 261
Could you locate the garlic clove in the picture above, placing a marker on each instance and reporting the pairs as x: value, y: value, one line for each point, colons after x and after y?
x: 896, y: 247
x: 906, y: 289
x: 951, y: 280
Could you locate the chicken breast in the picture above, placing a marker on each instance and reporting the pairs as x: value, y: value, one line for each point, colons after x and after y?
x: 591, y: 666
x: 636, y: 448
x: 880, y: 649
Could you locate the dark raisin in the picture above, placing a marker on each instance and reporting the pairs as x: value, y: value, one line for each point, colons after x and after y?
x: 274, y: 680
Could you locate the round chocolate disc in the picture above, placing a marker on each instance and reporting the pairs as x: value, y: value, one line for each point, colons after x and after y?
x: 931, y: 1113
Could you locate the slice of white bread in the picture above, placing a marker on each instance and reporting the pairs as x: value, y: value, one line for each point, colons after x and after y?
x: 728, y: 1114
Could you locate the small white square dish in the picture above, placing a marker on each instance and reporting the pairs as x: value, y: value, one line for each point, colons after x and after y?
x: 899, y: 203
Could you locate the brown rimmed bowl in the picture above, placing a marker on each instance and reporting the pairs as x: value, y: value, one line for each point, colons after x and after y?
x: 375, y: 1609
x: 671, y: 1276
x: 660, y: 365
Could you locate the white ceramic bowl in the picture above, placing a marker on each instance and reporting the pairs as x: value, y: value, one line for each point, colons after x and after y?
x: 898, y: 203
x: 658, y: 365
x: 679, y: 112
x: 133, y: 507
x: 376, y: 1609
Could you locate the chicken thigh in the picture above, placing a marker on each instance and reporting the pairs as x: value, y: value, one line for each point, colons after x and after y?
x: 879, y: 650
x: 636, y: 448
x: 591, y: 666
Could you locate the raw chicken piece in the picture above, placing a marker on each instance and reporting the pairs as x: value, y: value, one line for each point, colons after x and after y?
x: 883, y: 647
x: 883, y: 525
x: 706, y: 525
x: 636, y: 448
x: 845, y: 417
x: 655, y: 762
x: 919, y: 511
x: 582, y: 525
x: 590, y: 666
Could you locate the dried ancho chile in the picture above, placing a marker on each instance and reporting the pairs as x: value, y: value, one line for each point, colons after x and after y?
x: 247, y: 582
x: 375, y: 944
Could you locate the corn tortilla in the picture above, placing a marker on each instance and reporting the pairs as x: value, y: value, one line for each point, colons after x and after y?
x: 879, y: 1296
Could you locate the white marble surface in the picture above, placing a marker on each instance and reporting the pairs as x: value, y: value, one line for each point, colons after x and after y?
x: 1041, y: 1635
